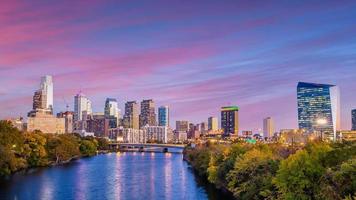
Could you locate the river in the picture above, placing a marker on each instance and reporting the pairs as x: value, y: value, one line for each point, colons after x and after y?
x: 112, y: 176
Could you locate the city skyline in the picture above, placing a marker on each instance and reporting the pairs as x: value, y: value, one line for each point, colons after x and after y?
x: 106, y: 51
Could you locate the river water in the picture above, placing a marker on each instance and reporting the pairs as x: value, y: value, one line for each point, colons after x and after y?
x: 112, y: 176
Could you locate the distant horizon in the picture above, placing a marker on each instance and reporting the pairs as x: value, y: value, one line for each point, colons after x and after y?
x: 195, y: 58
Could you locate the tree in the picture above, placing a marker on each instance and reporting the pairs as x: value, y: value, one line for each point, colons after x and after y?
x: 87, y: 148
x: 251, y: 177
x: 34, y: 149
x: 62, y: 147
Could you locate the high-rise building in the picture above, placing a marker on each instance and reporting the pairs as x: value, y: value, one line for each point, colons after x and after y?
x: 148, y: 115
x: 112, y: 112
x: 42, y: 103
x: 81, y: 104
x: 131, y: 117
x: 319, y: 108
x: 47, y: 91
x: 268, y: 127
x: 163, y: 116
x: 203, y: 127
x: 353, y: 119
x: 182, y: 126
x: 111, y: 108
x: 213, y: 124
x: 156, y: 133
x: 230, y: 119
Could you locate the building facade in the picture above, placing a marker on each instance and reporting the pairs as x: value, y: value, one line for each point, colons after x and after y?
x: 81, y: 104
x: 68, y: 120
x: 182, y: 126
x: 156, y: 134
x: 163, y: 116
x: 131, y: 117
x: 319, y: 103
x: 213, y: 124
x: 47, y: 91
x: 112, y: 112
x: 268, y: 127
x: 46, y: 124
x: 148, y: 115
x: 230, y: 120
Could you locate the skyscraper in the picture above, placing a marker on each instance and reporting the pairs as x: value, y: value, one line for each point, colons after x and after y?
x: 319, y: 108
x: 81, y: 104
x: 47, y: 91
x: 268, y: 127
x: 111, y: 112
x: 42, y: 103
x: 182, y: 126
x: 148, y: 115
x: 213, y: 124
x: 131, y: 118
x: 353, y: 119
x: 163, y: 116
x: 230, y: 119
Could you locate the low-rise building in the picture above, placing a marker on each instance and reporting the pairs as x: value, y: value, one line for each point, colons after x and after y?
x: 347, y: 135
x: 156, y: 133
x: 46, y: 123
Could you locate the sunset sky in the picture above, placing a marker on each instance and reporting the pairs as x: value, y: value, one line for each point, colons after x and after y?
x: 194, y: 56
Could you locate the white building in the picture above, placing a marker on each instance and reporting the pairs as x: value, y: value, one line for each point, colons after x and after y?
x: 156, y: 133
x: 112, y: 108
x: 47, y: 90
x: 130, y: 135
x: 268, y: 127
x: 81, y: 104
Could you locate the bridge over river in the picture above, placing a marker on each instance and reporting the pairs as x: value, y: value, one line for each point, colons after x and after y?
x: 147, y: 147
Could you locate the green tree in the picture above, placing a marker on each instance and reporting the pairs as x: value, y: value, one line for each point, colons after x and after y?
x: 88, y: 148
x: 251, y: 177
x: 62, y: 147
x: 34, y: 149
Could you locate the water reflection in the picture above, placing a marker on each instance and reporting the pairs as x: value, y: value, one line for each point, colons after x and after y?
x: 112, y: 176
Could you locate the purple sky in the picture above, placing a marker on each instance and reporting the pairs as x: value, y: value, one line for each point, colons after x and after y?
x: 194, y: 56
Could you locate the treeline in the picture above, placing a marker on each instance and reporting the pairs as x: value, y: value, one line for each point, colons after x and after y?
x: 22, y: 150
x: 272, y: 171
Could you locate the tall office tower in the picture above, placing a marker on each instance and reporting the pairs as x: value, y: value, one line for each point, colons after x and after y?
x: 182, y: 126
x: 268, y: 127
x: 111, y: 108
x: 230, y: 120
x: 81, y: 104
x: 39, y: 100
x: 47, y: 91
x: 213, y: 124
x: 319, y: 108
x: 148, y: 115
x: 112, y: 112
x: 163, y: 116
x: 131, y: 119
x: 354, y: 120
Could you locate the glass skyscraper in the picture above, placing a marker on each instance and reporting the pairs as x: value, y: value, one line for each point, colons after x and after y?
x: 163, y: 116
x: 316, y: 102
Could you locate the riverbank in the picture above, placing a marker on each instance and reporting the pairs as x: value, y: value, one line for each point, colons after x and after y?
x: 274, y: 171
x: 26, y: 150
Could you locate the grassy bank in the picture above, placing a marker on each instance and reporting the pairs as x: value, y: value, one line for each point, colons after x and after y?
x: 273, y: 171
x: 24, y: 150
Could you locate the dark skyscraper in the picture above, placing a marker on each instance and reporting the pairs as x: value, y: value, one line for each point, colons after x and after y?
x: 354, y: 120
x: 230, y: 119
x: 148, y: 115
x: 319, y: 102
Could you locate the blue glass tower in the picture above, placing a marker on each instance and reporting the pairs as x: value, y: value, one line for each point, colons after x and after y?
x: 163, y: 116
x: 315, y: 102
x: 354, y: 120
